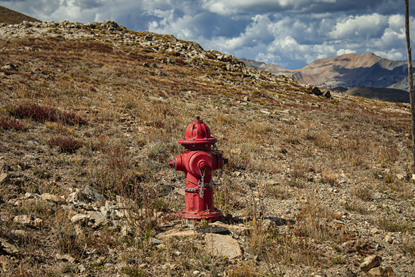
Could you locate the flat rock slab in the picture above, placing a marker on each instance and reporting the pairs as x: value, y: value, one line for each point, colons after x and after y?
x: 214, y: 229
x: 180, y: 234
x: 220, y: 245
x: 233, y: 228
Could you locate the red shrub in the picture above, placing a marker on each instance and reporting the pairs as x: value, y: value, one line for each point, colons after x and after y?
x: 8, y: 123
x: 179, y: 61
x: 42, y: 114
x: 68, y: 145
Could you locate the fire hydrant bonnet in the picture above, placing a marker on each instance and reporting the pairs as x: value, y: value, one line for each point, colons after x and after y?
x: 197, y: 133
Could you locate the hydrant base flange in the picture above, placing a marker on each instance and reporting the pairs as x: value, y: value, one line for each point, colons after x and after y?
x: 212, y: 215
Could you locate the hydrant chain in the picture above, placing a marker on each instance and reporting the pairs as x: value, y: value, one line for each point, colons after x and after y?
x: 200, y: 184
x: 183, y: 186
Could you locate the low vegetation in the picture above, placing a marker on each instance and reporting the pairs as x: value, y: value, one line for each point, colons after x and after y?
x: 309, y: 177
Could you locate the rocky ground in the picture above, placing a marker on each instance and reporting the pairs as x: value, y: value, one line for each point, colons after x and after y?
x: 318, y: 183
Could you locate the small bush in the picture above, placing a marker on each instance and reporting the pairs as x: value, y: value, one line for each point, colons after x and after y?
x: 364, y: 193
x: 69, y: 244
x: 179, y: 61
x: 68, y: 145
x: 44, y: 113
x: 8, y: 123
x: 391, y: 223
x: 408, y: 246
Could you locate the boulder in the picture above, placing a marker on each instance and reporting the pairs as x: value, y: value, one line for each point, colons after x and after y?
x: 317, y: 91
x: 382, y: 272
x: 80, y: 218
x: 161, y: 73
x: 374, y: 231
x: 4, y: 179
x: 388, y: 238
x: 376, y: 272
x: 65, y: 258
x: 168, y: 61
x: 53, y: 198
x: 327, y: 94
x: 370, y: 262
x: 9, y: 67
x: 220, y: 245
x: 97, y: 218
x: 93, y: 194
x: 29, y: 221
x: 7, y: 248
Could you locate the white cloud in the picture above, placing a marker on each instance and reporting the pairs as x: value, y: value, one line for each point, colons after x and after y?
x: 396, y: 22
x: 393, y: 54
x: 180, y: 27
x: 268, y: 58
x: 345, y: 51
x: 364, y: 26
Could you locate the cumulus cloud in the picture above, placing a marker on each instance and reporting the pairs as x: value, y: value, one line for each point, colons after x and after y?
x: 364, y: 26
x: 345, y: 51
x: 227, y: 7
x: 392, y: 54
x: 268, y: 58
x: 289, y: 33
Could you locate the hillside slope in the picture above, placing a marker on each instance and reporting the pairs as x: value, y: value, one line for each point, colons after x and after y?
x: 90, y: 117
x: 12, y: 17
x: 385, y: 94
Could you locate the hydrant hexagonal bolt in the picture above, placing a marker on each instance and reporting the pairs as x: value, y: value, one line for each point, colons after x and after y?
x: 198, y: 162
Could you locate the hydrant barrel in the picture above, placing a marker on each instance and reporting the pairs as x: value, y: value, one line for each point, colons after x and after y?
x: 198, y: 163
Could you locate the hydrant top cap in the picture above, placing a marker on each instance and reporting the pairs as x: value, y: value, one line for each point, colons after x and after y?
x: 197, y: 133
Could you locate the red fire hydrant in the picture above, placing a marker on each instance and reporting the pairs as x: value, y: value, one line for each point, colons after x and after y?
x: 198, y: 162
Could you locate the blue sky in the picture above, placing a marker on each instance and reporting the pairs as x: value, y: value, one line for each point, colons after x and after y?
x: 289, y: 33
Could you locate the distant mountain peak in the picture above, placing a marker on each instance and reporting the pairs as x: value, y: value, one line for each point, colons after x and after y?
x: 347, y: 70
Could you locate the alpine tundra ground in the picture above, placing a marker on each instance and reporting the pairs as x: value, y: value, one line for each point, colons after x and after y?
x: 316, y: 185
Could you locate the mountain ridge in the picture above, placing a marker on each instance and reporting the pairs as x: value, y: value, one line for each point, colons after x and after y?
x: 348, y: 70
x: 13, y: 17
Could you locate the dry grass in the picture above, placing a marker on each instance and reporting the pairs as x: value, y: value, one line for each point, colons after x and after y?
x: 134, y: 122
